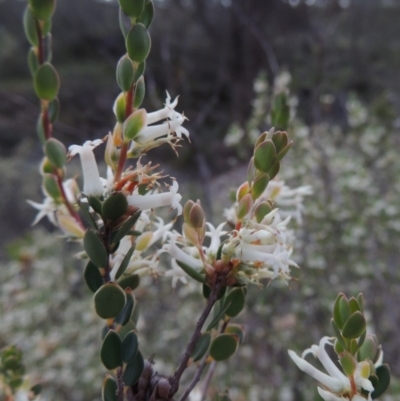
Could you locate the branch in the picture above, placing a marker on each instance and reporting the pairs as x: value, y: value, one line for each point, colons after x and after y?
x: 195, y: 336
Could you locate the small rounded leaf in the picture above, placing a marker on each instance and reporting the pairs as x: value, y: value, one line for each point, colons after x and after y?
x: 236, y: 298
x: 265, y: 156
x: 109, y: 300
x: 42, y: 9
x: 133, y: 370
x: 125, y: 73
x: 95, y: 248
x: 201, y: 347
x: 237, y: 330
x: 140, y: 91
x: 119, y: 108
x: 50, y: 185
x: 368, y: 350
x: 109, y: 390
x: 46, y: 82
x: 33, y: 62
x: 348, y: 362
x: 131, y: 282
x: 138, y: 43
x: 223, y: 346
x: 56, y: 152
x: 139, y: 71
x: 259, y: 185
x: 355, y: 326
x: 111, y: 350
x: 134, y: 124
x: 383, y: 373
x: 114, y: 206
x: 30, y: 27
x: 54, y: 110
x: 92, y: 276
x: 125, y: 315
x: 132, y: 8
x: 147, y: 15
x: 130, y: 347
x: 262, y: 210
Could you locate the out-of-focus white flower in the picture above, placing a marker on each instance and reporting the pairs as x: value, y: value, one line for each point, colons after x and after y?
x: 154, y: 200
x: 92, y: 184
x: 260, y: 250
x: 49, y: 207
x: 176, y: 273
x: 336, y: 384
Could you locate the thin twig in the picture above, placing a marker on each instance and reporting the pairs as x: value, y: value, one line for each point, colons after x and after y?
x: 195, y: 379
x: 207, y: 380
x: 213, y: 364
x: 196, y: 334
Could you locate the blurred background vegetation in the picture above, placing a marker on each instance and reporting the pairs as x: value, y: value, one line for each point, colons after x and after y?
x: 227, y: 59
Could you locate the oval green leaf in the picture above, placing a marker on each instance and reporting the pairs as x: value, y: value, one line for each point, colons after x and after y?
x: 92, y: 276
x: 133, y: 370
x: 355, y: 326
x: 138, y: 43
x: 265, y: 156
x: 140, y: 91
x: 236, y: 299
x: 383, y: 373
x: 223, y: 347
x: 110, y: 353
x: 130, y: 347
x: 114, y: 206
x: 56, y: 152
x: 126, y: 313
x: 95, y: 248
x: 147, y: 15
x: 109, y: 389
x: 131, y: 282
x: 125, y: 262
x: 46, y: 82
x: 201, y: 347
x: 109, y: 300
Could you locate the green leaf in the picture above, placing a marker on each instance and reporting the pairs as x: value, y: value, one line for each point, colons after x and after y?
x: 139, y: 71
x: 133, y: 370
x: 138, y: 43
x: 54, y: 110
x: 110, y: 353
x: 344, y: 310
x: 50, y: 185
x: 131, y: 282
x: 354, y: 307
x: 95, y: 203
x: 127, y: 226
x: 236, y: 330
x: 33, y: 62
x: 134, y: 124
x: 368, y: 350
x: 348, y: 363
x: 130, y: 347
x: 338, y: 334
x: 337, y: 315
x: 383, y: 373
x: 193, y: 273
x: 109, y: 390
x: 223, y: 347
x: 114, y: 206
x: 262, y: 209
x: 56, y: 152
x: 125, y: 262
x: 95, y: 248
x: 259, y: 186
x: 265, y: 156
x: 122, y: 26
x: 125, y: 73
x: 46, y: 82
x: 84, y: 208
x: 280, y: 112
x: 109, y: 300
x: 42, y: 9
x: 36, y: 389
x: 93, y: 277
x: 236, y: 299
x: 251, y: 172
x: 147, y: 15
x: 140, y: 91
x: 218, y: 316
x: 126, y: 313
x: 30, y: 27
x: 355, y: 326
x: 274, y: 170
x: 283, y: 152
x: 201, y: 347
x: 132, y: 8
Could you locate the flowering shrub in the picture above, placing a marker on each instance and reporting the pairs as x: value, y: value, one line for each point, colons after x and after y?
x: 114, y: 219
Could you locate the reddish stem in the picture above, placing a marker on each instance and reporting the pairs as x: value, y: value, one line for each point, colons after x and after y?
x: 46, y: 123
x: 40, y: 44
x: 66, y: 201
x: 353, y: 385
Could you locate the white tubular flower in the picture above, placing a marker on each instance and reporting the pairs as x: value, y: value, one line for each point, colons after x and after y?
x: 162, y: 114
x: 176, y: 273
x: 153, y: 132
x: 336, y: 384
x: 182, y: 256
x: 152, y: 201
x: 215, y: 234
x: 91, y: 178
